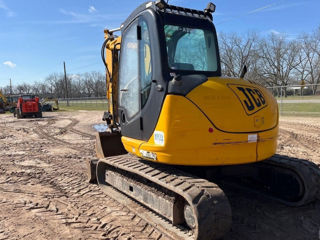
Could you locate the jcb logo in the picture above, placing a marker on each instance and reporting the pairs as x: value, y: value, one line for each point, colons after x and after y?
x: 251, y: 98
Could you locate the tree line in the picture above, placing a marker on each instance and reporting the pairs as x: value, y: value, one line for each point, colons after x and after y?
x: 273, y: 61
x: 90, y: 84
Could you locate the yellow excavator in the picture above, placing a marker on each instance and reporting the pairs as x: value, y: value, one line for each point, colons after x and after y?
x: 3, y: 101
x: 7, y: 103
x: 177, y: 129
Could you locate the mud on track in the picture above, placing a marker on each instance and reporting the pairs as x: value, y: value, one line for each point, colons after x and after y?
x: 44, y: 194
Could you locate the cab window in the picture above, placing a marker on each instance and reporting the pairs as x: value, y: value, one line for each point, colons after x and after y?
x: 145, y: 63
x: 129, y: 73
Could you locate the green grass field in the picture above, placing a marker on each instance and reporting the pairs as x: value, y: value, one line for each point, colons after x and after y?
x: 83, y: 106
x: 309, y: 97
x: 307, y: 109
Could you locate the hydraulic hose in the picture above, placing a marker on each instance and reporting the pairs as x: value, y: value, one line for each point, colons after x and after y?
x: 103, y: 56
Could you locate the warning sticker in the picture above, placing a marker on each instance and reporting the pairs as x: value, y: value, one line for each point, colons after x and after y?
x: 159, y: 138
x: 252, y: 137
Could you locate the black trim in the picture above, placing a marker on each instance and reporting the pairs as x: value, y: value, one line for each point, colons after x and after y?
x: 182, y: 85
x: 153, y: 106
x: 228, y: 131
x: 130, y: 127
x: 170, y: 9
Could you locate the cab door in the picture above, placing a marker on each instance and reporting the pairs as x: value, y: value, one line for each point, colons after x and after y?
x: 129, y: 83
x: 141, y: 87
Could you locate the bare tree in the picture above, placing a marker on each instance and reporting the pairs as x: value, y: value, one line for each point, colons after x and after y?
x: 279, y: 58
x: 311, y: 53
x: 236, y: 52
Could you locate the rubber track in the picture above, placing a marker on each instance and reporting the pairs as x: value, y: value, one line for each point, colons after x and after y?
x: 308, y: 171
x: 210, y: 205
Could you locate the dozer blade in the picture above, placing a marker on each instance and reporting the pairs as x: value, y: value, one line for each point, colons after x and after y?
x: 107, y: 145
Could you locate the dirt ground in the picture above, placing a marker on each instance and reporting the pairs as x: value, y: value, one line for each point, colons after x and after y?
x: 44, y: 193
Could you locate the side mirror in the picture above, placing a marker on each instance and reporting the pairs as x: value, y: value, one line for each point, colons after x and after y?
x: 244, y: 71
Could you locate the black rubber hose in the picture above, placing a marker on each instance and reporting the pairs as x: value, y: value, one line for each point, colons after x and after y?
x: 103, y: 56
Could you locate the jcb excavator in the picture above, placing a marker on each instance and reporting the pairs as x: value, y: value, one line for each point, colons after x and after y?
x: 177, y: 127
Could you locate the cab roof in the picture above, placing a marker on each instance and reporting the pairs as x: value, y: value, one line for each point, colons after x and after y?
x: 168, y: 9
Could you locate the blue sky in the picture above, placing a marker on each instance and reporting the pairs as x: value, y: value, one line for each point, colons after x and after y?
x: 36, y: 36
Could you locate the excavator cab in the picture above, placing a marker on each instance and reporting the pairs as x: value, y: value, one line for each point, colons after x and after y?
x: 159, y: 43
x: 157, y: 46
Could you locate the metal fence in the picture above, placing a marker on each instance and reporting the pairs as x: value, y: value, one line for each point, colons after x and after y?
x: 92, y: 103
x: 298, y: 100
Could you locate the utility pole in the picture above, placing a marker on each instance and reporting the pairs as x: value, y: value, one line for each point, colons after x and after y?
x: 66, y: 83
x: 10, y: 87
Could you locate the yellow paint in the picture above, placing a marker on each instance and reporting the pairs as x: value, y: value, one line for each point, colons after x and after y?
x: 131, y: 145
x: 187, y: 139
x: 111, y: 58
x: 219, y: 99
x: 3, y: 97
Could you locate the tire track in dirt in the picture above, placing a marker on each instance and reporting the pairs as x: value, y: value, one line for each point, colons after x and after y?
x: 83, y: 206
x: 308, y: 127
x: 40, y: 131
x: 76, y: 131
x: 70, y: 127
x: 306, y: 141
x: 73, y: 202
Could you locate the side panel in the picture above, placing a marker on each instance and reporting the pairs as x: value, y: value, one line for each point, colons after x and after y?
x: 235, y: 105
x: 267, y: 144
x: 184, y: 136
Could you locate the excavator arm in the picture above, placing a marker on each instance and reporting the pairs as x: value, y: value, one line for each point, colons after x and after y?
x: 110, y: 56
x: 109, y: 143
